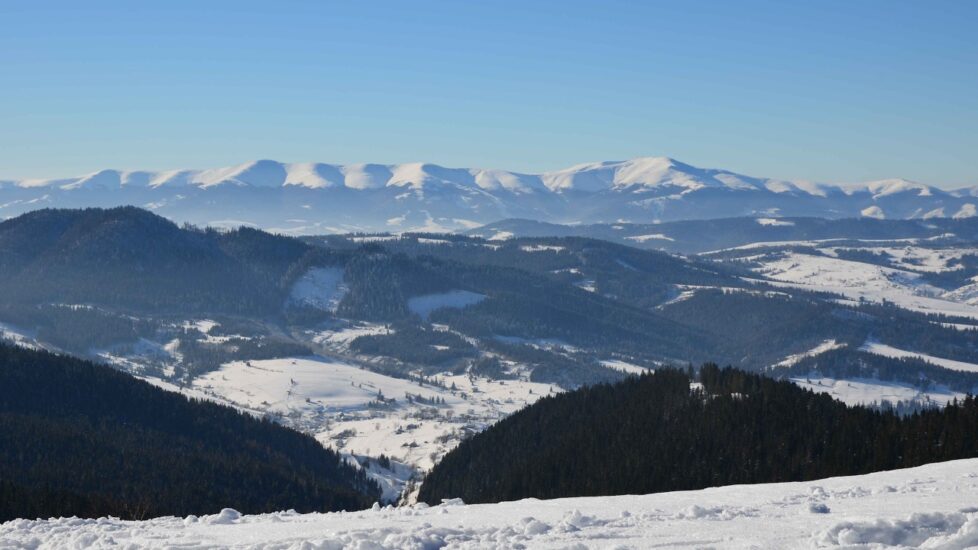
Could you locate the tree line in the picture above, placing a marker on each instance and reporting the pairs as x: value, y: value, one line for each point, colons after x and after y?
x: 657, y: 432
x: 77, y: 438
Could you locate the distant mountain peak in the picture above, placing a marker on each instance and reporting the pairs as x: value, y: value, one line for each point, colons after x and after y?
x: 315, y: 197
x: 649, y: 172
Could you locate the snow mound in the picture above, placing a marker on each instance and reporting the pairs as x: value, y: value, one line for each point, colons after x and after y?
x: 950, y: 531
x: 225, y: 517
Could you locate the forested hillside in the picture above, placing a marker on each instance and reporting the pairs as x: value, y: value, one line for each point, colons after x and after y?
x: 131, y: 259
x: 648, y: 306
x: 660, y: 432
x: 700, y: 235
x: 81, y: 439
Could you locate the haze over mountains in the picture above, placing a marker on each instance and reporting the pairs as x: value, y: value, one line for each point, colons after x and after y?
x: 316, y: 198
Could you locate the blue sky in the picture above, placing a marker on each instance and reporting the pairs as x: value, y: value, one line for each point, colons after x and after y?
x: 830, y: 91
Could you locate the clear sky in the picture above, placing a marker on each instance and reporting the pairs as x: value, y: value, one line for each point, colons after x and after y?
x: 827, y: 90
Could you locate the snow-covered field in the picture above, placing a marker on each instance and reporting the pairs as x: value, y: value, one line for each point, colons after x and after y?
x: 933, y: 506
x: 455, y: 299
x: 338, y: 337
x: 890, y: 351
x: 363, y: 413
x: 864, y: 391
x: 338, y: 399
x: 623, y: 366
x: 825, y: 346
x: 18, y: 336
x: 320, y: 287
x: 859, y: 280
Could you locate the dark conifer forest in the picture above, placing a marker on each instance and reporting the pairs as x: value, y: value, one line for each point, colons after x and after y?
x: 658, y: 433
x: 80, y: 439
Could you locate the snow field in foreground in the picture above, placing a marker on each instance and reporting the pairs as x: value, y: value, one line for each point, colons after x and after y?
x: 932, y: 506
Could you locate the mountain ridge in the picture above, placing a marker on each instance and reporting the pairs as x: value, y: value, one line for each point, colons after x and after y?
x: 316, y: 198
x: 649, y: 171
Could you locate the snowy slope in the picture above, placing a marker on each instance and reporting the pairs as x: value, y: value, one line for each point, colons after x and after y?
x: 297, y: 198
x: 859, y: 280
x: 870, y: 392
x: 363, y: 413
x: 890, y: 351
x: 903, y: 272
x: 320, y: 288
x: 932, y: 506
x: 424, y: 305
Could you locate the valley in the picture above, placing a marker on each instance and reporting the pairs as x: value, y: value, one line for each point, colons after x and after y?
x: 393, y: 348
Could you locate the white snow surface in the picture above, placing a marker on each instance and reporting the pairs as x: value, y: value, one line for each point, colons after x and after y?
x: 320, y: 287
x: 18, y: 336
x: 297, y: 198
x: 650, y: 237
x: 421, y: 196
x: 456, y: 299
x: 967, y: 211
x: 873, y: 212
x: 501, y: 236
x: 541, y: 248
x: 932, y: 506
x: 775, y: 222
x: 624, y: 366
x: 857, y: 280
x: 825, y: 346
x: 648, y: 173
x: 916, y: 258
x: 338, y: 337
x: 363, y: 413
x: 866, y: 391
x: 890, y: 351
x: 894, y: 186
x: 636, y: 174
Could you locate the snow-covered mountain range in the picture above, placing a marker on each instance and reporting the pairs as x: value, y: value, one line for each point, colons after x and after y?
x: 305, y: 198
